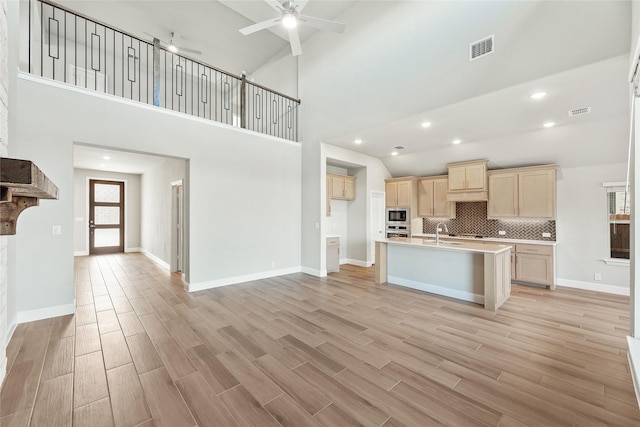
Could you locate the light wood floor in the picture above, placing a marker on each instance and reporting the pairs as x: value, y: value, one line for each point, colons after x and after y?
x: 299, y: 350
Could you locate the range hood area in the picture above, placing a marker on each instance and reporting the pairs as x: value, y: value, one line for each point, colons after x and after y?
x: 468, y: 181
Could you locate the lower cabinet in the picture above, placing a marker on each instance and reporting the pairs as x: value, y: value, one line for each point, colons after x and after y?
x: 333, y: 254
x: 533, y: 264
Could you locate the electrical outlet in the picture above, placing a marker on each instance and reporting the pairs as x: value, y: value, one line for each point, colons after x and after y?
x: 439, y: 230
x: 502, y: 233
x: 597, y: 276
x: 546, y: 234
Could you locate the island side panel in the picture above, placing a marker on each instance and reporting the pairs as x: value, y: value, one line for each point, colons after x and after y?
x: 381, y: 263
x: 455, y: 274
x: 497, y: 279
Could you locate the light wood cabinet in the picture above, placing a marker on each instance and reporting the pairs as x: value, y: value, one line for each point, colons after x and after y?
x: 401, y: 193
x: 522, y: 193
x: 341, y: 187
x: 468, y: 175
x: 534, y: 264
x: 432, y: 198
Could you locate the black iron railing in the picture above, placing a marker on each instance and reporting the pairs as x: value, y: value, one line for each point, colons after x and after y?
x: 69, y: 47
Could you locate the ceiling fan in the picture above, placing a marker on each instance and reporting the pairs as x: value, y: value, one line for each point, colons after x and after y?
x: 290, y: 18
x: 171, y: 45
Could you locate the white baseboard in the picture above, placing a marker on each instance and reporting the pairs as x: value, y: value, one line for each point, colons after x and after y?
x: 132, y: 250
x: 435, y: 289
x: 634, y: 364
x: 155, y: 259
x: 314, y: 272
x: 590, y: 286
x: 45, y: 313
x: 356, y: 262
x: 81, y: 253
x: 193, y: 287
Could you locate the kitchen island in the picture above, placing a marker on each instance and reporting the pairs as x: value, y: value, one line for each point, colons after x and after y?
x: 469, y: 271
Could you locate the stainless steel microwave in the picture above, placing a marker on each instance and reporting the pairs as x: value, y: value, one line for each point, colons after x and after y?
x: 398, y: 216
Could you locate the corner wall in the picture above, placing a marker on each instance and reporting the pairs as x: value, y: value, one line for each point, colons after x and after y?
x: 4, y: 151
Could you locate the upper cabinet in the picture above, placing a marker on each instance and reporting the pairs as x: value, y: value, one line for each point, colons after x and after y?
x: 341, y: 187
x: 522, y: 193
x: 401, y: 193
x: 432, y: 198
x: 467, y: 181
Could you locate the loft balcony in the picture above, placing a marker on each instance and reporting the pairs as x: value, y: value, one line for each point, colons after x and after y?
x: 74, y: 49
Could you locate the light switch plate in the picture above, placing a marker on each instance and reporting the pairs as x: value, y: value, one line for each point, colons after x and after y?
x: 502, y: 233
x: 546, y: 234
x: 56, y: 230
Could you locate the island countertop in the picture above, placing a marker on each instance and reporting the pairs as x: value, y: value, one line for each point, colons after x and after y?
x: 458, y: 246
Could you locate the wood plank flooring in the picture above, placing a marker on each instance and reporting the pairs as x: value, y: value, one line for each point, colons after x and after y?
x: 298, y: 350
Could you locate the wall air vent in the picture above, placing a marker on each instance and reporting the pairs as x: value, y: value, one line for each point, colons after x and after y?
x: 481, y: 48
x: 399, y: 147
x: 579, y: 111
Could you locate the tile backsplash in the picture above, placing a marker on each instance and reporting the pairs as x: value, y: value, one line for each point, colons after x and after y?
x: 471, y: 218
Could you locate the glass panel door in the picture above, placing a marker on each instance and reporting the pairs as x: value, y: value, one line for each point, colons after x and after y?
x: 106, y: 216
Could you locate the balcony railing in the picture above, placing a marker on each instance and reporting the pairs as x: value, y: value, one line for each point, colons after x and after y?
x: 71, y: 48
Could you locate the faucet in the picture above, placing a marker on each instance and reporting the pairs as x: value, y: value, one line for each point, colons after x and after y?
x: 438, y: 231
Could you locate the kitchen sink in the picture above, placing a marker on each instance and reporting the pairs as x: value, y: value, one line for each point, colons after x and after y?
x: 442, y: 242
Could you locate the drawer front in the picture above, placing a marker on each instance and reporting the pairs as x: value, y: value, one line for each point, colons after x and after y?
x: 522, y: 248
x: 333, y: 241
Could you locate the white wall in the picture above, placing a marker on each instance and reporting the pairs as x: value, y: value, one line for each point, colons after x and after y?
x: 240, y: 184
x: 582, y: 225
x: 80, y: 205
x: 4, y: 151
x: 156, y: 207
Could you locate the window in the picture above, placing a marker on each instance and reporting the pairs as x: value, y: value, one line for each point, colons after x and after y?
x: 618, y: 201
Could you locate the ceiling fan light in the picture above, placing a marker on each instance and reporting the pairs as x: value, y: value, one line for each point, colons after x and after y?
x: 289, y: 21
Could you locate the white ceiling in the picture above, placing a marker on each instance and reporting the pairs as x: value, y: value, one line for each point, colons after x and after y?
x: 96, y: 158
x: 403, y: 62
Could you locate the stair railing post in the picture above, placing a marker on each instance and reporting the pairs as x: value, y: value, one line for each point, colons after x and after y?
x: 156, y: 72
x: 243, y: 101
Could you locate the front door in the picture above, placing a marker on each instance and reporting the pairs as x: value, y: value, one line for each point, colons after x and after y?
x: 106, y: 216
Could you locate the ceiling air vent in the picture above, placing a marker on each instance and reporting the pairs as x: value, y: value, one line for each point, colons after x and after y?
x: 399, y: 147
x: 481, y: 48
x: 579, y: 111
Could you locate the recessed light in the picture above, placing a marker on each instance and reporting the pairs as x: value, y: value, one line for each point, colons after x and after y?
x: 425, y: 124
x: 538, y: 95
x: 358, y: 141
x: 394, y: 153
x: 106, y: 157
x: 549, y: 124
x: 456, y: 141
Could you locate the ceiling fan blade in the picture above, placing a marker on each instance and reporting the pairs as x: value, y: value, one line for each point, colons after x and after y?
x: 186, y: 49
x: 260, y: 26
x: 321, y: 24
x: 275, y: 4
x: 298, y: 5
x: 294, y: 40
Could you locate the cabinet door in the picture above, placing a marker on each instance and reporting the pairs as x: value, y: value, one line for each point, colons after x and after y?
x: 457, y: 178
x: 534, y: 268
x: 442, y: 208
x: 404, y: 194
x: 337, y: 187
x: 537, y: 197
x: 425, y: 197
x: 476, y: 177
x: 391, y: 194
x: 349, y: 189
x: 503, y: 196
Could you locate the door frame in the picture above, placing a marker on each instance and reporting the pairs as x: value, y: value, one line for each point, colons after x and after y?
x: 86, y: 211
x: 177, y: 229
x: 370, y: 240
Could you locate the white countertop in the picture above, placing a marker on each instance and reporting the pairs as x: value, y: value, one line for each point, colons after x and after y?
x: 488, y: 239
x: 466, y: 246
x: 331, y: 236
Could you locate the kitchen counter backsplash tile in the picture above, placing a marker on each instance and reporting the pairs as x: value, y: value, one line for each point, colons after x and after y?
x: 471, y: 218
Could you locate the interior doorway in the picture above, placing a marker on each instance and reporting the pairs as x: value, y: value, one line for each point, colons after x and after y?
x: 377, y: 221
x: 106, y: 216
x: 177, y: 226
